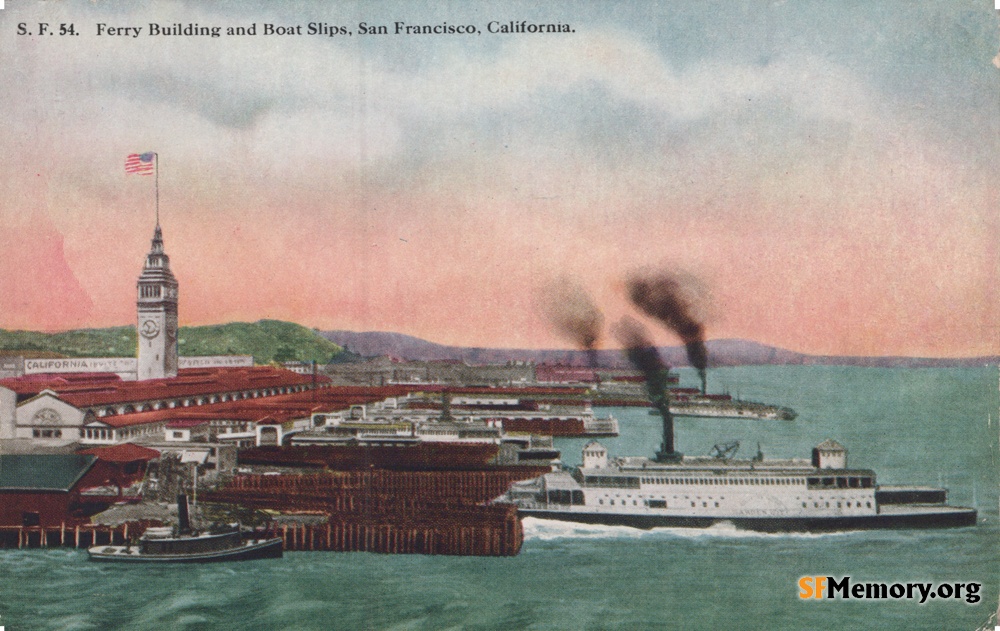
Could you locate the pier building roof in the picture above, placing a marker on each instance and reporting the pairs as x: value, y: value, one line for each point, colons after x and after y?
x: 43, y: 472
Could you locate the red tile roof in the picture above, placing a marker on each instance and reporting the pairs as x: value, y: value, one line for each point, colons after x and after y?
x: 99, y: 390
x: 125, y: 452
x: 270, y: 409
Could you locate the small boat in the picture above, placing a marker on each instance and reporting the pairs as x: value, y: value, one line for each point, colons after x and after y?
x: 165, y: 545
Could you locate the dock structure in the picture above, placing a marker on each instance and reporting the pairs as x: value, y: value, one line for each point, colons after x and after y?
x: 478, y: 531
x: 70, y: 535
x: 405, y: 512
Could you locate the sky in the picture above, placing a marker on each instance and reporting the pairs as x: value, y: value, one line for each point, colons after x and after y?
x: 828, y: 172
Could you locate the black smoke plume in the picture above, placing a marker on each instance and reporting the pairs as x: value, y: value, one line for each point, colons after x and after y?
x: 669, y: 298
x: 643, y: 355
x: 575, y: 315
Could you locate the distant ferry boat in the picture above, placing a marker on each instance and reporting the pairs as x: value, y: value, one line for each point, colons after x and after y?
x: 797, y: 495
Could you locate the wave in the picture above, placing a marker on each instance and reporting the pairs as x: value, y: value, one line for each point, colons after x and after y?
x: 549, y: 530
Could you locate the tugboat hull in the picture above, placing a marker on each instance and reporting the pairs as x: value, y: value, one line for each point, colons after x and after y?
x: 249, y: 550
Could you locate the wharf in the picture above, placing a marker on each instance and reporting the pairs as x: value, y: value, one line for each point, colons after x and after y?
x: 71, y: 535
x: 407, y: 512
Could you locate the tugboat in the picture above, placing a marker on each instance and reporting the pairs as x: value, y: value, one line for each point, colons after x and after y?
x: 165, y: 545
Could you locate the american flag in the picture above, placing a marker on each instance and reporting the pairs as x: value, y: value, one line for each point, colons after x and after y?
x: 140, y: 163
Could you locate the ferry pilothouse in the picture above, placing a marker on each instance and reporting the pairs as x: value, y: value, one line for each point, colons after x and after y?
x: 820, y: 494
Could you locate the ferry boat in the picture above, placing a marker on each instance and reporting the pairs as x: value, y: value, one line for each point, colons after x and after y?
x: 793, y: 495
x: 165, y: 545
x: 693, y: 402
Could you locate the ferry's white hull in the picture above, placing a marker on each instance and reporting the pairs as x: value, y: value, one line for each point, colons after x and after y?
x: 903, y: 517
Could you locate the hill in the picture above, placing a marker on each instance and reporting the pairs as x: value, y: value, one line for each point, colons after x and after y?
x: 274, y: 340
x: 266, y: 340
x: 725, y: 352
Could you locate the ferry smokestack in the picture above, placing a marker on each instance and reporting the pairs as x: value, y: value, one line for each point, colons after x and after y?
x: 446, y: 406
x: 183, y: 516
x: 644, y: 356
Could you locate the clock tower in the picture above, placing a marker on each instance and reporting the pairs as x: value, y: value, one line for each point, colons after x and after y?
x: 157, y: 309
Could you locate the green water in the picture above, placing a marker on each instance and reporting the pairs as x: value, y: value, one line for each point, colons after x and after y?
x: 925, y: 426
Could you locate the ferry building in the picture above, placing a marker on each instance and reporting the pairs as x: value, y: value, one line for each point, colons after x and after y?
x: 58, y: 403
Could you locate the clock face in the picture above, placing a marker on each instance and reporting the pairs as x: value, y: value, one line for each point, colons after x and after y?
x: 149, y: 329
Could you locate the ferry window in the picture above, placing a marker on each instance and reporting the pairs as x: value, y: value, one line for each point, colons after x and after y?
x: 704, y: 504
x: 657, y: 503
x: 868, y: 504
x: 600, y: 501
x: 803, y: 504
x: 716, y: 504
x: 828, y: 504
x: 692, y: 504
x: 838, y: 505
x: 635, y: 503
x: 612, y: 502
x: 815, y: 504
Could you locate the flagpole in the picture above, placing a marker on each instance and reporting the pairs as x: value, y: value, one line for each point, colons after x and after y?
x: 156, y: 157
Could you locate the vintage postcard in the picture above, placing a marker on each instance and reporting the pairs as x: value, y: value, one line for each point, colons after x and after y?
x: 499, y: 314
